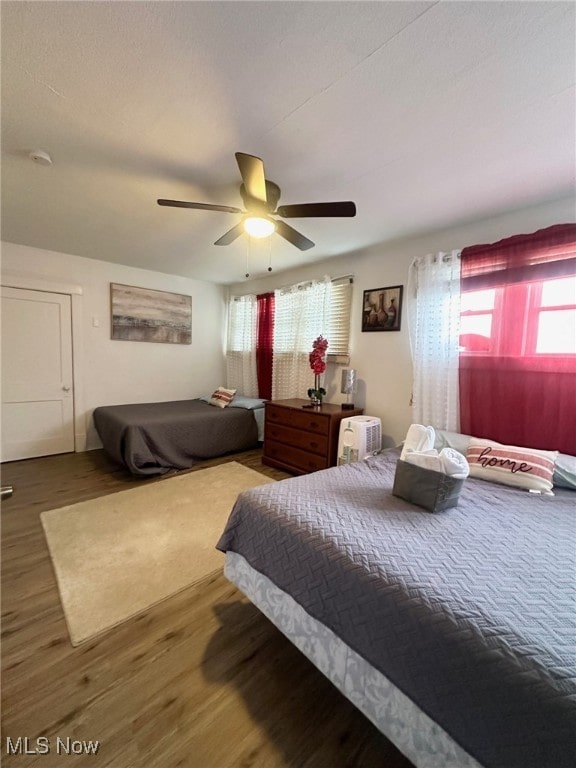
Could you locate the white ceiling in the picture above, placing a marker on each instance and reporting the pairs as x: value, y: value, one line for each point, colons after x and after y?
x: 425, y: 114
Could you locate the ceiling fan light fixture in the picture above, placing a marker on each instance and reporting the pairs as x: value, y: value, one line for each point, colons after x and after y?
x: 260, y: 196
x: 258, y: 226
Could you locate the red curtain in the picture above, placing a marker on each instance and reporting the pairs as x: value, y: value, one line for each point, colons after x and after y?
x: 264, y: 343
x: 510, y: 392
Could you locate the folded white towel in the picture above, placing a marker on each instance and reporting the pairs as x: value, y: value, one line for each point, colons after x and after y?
x: 454, y: 463
x: 448, y: 462
x: 418, y: 438
x: 425, y: 459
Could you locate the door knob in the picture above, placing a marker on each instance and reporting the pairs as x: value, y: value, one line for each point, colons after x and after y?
x: 65, y: 388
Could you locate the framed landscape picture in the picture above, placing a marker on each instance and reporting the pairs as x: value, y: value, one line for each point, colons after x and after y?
x: 382, y: 309
x: 142, y: 314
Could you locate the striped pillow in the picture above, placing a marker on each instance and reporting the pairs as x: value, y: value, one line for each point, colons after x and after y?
x: 222, y: 397
x: 510, y: 465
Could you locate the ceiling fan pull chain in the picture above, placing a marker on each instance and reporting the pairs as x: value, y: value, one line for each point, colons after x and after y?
x: 249, y: 239
x: 270, y: 255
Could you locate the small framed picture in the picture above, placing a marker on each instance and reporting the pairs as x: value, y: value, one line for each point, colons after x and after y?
x: 382, y: 309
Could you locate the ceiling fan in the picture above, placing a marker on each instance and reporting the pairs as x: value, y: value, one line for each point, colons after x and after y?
x: 260, y: 198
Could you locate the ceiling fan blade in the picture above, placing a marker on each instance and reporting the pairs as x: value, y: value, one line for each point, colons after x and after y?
x: 307, y: 210
x: 252, y: 172
x: 201, y: 206
x: 231, y: 235
x: 294, y: 237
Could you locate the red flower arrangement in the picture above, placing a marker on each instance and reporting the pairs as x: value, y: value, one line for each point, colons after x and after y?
x: 318, y: 365
x: 316, y: 357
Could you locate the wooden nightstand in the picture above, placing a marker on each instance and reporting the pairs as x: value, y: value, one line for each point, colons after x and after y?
x: 301, y: 440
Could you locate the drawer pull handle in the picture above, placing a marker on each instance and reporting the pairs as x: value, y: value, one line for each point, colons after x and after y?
x: 313, y: 445
x: 314, y: 424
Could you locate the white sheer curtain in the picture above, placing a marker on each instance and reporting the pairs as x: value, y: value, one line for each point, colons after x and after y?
x: 241, y: 345
x: 434, y: 322
x: 300, y: 315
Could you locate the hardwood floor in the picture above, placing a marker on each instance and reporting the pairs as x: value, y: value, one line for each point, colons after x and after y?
x: 201, y: 680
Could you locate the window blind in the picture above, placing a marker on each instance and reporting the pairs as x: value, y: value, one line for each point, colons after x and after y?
x: 338, y: 330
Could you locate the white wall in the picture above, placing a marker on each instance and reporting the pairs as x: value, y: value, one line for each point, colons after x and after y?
x: 383, y: 359
x: 122, y: 371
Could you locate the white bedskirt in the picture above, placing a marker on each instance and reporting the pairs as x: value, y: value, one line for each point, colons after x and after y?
x: 414, y: 733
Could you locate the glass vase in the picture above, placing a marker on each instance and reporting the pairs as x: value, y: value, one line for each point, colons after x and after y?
x: 316, y: 395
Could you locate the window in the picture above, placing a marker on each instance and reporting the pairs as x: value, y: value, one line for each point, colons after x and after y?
x: 301, y: 314
x: 517, y: 367
x: 555, y: 316
x: 241, y: 324
x: 476, y: 320
x: 296, y: 315
x: 338, y: 329
x: 241, y: 346
x: 522, y: 320
x: 307, y: 310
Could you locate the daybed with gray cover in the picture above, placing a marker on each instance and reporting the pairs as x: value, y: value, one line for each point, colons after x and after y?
x: 153, y: 438
x: 454, y: 632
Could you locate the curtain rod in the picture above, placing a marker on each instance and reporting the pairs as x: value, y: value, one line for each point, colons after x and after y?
x: 306, y: 283
x: 303, y: 284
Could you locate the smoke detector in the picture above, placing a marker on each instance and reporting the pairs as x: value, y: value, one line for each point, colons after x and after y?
x: 40, y: 157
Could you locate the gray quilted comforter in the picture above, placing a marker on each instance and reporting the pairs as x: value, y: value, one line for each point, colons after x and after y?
x: 152, y: 438
x: 471, y: 612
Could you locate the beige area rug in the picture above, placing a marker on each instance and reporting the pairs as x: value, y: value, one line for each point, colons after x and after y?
x: 119, y: 554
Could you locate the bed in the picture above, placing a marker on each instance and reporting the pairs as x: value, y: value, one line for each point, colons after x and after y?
x: 154, y: 438
x: 453, y: 632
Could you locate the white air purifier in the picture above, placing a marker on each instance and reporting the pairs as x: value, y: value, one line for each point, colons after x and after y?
x: 360, y: 437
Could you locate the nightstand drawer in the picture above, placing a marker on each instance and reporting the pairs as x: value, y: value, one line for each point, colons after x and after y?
x: 298, y: 438
x: 294, y: 457
x: 311, y: 421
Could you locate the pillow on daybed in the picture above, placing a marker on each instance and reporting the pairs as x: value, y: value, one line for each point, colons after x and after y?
x: 249, y: 403
x: 511, y: 465
x: 222, y: 397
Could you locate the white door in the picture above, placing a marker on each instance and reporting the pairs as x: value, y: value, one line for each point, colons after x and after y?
x: 37, y: 396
